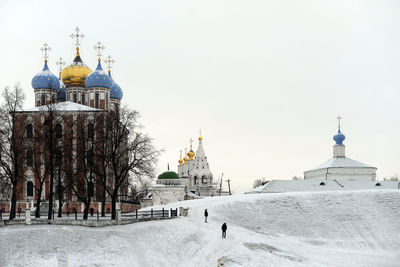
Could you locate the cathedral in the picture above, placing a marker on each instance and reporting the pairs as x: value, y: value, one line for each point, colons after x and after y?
x: 81, y: 99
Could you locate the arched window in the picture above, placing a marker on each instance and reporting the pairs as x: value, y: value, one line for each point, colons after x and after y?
x: 58, y: 130
x: 204, y: 179
x: 96, y: 100
x: 43, y: 99
x: 29, y: 130
x: 195, y: 180
x: 90, y: 130
x: 89, y: 157
x: 29, y: 157
x: 29, y: 189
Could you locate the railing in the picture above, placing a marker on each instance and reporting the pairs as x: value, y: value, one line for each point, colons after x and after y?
x: 150, y: 214
x: 137, y: 215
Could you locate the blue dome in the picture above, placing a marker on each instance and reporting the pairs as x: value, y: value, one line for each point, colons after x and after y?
x: 339, y: 138
x: 116, y: 91
x: 61, y: 94
x: 45, y: 79
x: 98, y: 78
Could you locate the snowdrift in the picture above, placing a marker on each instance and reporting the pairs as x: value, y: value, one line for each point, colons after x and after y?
x: 353, y: 228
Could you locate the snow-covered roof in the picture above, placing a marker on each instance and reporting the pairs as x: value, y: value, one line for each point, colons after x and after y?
x: 62, y: 106
x: 339, y: 162
x: 279, y: 186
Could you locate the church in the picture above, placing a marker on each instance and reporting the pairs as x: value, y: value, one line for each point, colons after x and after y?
x: 81, y: 99
x: 338, y: 173
x: 194, y: 179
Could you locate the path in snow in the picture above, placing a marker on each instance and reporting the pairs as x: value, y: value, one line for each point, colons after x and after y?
x: 360, y: 228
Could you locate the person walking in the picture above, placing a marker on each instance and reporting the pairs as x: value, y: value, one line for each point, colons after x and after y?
x: 205, y: 214
x: 224, y: 227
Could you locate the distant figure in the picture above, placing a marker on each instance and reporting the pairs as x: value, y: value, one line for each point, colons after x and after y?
x: 91, y: 212
x: 224, y: 227
x: 205, y: 214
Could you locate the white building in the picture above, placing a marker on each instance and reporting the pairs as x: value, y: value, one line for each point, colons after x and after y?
x: 194, y: 172
x: 340, y: 167
x: 337, y: 174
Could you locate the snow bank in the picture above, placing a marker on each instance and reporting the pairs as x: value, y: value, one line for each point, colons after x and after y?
x: 359, y: 228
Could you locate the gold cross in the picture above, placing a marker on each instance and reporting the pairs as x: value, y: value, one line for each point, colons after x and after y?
x: 191, y: 142
x: 109, y: 61
x: 339, y: 119
x: 99, y: 47
x: 60, y: 63
x: 45, y: 49
x: 77, y: 36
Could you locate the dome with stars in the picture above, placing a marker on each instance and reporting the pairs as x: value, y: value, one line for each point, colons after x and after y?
x: 116, y: 91
x: 99, y: 78
x: 45, y: 79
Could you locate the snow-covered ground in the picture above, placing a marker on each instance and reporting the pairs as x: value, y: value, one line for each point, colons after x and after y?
x: 353, y: 228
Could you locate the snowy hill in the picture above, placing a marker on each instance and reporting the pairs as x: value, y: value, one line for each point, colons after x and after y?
x: 353, y: 228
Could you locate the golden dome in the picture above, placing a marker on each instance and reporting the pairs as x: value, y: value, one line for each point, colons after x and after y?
x: 180, y: 159
x: 75, y: 73
x: 185, y: 158
x: 191, y: 154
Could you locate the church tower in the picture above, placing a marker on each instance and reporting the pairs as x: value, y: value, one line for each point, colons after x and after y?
x: 45, y: 83
x: 98, y: 84
x: 74, y: 75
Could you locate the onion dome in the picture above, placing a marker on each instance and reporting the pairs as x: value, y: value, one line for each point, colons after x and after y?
x: 99, y: 78
x: 115, y: 91
x: 61, y: 94
x: 75, y: 73
x: 191, y: 153
x: 185, y: 159
x: 339, y: 138
x: 180, y: 158
x: 45, y: 79
x: 168, y: 175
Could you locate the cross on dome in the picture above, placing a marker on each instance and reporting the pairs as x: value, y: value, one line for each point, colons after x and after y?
x: 99, y: 47
x: 109, y: 61
x: 77, y: 36
x: 45, y: 49
x: 60, y: 64
x: 191, y: 142
x: 339, y: 119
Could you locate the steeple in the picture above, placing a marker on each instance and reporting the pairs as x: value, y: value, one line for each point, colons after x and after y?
x: 180, y: 158
x: 200, y: 150
x: 339, y: 148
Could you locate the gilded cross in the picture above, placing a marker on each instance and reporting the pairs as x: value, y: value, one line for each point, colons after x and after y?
x: 45, y: 49
x: 99, y: 46
x: 77, y: 36
x: 60, y: 64
x: 191, y: 142
x: 339, y: 119
x: 109, y: 61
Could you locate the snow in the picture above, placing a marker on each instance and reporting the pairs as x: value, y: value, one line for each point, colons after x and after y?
x: 280, y: 186
x: 339, y: 162
x: 63, y: 106
x: 352, y: 228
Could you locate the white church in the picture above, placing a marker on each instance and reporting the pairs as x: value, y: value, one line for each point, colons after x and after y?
x: 194, y: 179
x: 338, y: 173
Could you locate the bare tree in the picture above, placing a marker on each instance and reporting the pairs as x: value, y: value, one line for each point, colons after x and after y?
x: 131, y: 153
x: 12, y: 142
x: 259, y: 182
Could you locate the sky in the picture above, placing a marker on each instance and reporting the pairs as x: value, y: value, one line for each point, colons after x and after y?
x: 263, y: 80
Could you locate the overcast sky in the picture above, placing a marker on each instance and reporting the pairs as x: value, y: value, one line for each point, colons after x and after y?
x: 264, y: 80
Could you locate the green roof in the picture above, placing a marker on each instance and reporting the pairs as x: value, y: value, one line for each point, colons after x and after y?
x: 168, y: 175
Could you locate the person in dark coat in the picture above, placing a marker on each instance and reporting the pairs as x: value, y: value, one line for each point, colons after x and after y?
x: 224, y: 227
x: 205, y: 214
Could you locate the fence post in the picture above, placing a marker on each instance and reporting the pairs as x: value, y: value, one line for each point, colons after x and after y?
x: 97, y: 214
x: 163, y: 212
x: 170, y: 212
x: 136, y: 214
x: 53, y: 214
x: 152, y: 213
x: 176, y: 212
x: 76, y: 215
x: 1, y: 215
